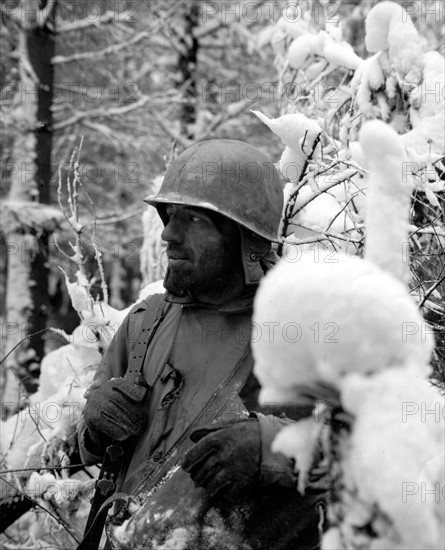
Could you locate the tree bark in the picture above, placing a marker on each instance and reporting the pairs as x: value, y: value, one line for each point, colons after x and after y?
x: 187, y: 61
x: 27, y: 239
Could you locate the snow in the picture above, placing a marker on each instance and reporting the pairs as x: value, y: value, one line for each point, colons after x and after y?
x: 61, y: 365
x: 335, y: 314
x: 378, y: 23
x: 292, y: 128
x: 79, y: 292
x: 334, y: 28
x: 278, y: 41
x: 155, y: 287
x: 367, y: 78
x: 291, y: 164
x: 32, y: 214
x: 300, y: 442
x: 427, y: 114
x: 428, y: 96
x: 388, y: 27
x: 264, y: 36
x: 428, y: 134
x: 301, y: 49
x: 388, y: 198
x: 405, y: 49
x: 393, y: 434
x: 338, y: 53
x: 77, y: 227
x: 292, y: 23
x: 332, y: 540
x: 322, y: 213
x: 326, y: 204
x: 298, y: 133
x: 153, y: 252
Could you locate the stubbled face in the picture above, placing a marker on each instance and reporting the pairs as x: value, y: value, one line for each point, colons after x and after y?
x: 203, y: 250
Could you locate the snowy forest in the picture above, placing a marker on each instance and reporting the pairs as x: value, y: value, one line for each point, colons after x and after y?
x: 348, y: 100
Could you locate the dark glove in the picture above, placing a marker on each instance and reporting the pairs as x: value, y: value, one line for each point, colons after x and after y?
x: 226, y: 458
x: 115, y: 411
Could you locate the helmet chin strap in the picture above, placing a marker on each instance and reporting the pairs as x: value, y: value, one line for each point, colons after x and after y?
x: 253, y: 250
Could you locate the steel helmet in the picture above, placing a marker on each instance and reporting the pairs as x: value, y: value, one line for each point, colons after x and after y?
x: 230, y: 177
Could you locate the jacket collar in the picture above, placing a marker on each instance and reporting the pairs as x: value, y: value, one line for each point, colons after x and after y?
x: 243, y: 304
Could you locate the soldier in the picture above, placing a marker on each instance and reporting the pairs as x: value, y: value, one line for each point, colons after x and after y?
x: 166, y: 374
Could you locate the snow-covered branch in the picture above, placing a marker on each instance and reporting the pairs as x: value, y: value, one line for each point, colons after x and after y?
x: 103, y: 112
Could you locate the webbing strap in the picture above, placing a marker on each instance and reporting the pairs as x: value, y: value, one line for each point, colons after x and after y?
x: 152, y: 319
x: 93, y: 532
x: 106, y: 482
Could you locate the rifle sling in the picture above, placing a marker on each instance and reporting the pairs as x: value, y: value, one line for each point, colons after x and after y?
x: 114, y: 455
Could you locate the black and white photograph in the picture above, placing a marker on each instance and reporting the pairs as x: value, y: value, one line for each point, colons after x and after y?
x: 222, y: 275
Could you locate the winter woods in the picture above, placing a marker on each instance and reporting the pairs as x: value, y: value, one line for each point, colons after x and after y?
x: 347, y: 99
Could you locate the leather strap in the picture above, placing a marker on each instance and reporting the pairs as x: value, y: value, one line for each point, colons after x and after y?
x: 114, y: 455
x: 90, y: 539
x: 152, y: 319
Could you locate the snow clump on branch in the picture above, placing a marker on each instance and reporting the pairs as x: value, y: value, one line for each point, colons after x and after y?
x: 361, y: 345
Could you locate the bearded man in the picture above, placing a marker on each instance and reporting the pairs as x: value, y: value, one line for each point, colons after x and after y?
x: 176, y: 384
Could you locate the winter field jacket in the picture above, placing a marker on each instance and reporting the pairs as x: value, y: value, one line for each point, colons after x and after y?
x: 195, y: 347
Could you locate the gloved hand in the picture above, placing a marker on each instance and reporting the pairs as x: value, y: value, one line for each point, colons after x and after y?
x: 226, y: 458
x: 115, y: 411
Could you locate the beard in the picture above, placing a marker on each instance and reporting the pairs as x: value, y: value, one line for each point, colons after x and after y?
x: 212, y: 273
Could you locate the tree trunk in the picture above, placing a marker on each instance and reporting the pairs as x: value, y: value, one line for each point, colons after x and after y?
x: 188, y: 59
x: 27, y: 227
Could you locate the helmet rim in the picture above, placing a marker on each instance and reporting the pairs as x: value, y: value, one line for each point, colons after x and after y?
x: 217, y: 175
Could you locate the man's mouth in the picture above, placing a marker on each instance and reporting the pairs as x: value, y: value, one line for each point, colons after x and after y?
x: 176, y: 257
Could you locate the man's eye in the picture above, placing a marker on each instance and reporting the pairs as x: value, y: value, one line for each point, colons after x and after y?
x: 195, y: 219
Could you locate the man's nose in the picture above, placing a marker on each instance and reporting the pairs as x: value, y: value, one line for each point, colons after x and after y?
x: 172, y: 232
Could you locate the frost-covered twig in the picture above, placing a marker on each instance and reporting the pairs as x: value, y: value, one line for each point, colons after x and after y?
x: 18, y: 344
x: 72, y: 199
x: 97, y: 251
x: 340, y: 178
x: 289, y: 209
x: 80, y: 290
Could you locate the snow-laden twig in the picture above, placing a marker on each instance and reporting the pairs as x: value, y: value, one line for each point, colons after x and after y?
x: 79, y: 291
x: 289, y: 209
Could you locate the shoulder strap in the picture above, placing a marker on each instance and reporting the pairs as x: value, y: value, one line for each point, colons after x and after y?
x: 104, y: 496
x: 155, y: 313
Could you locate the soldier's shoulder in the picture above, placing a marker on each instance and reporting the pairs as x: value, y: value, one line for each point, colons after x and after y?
x: 149, y: 302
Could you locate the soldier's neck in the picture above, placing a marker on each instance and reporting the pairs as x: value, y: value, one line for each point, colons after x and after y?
x: 235, y: 290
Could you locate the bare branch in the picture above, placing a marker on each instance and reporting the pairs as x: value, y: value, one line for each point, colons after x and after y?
x: 58, y: 59
x: 167, y: 129
x: 116, y: 219
x: 105, y: 112
x: 106, y: 18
